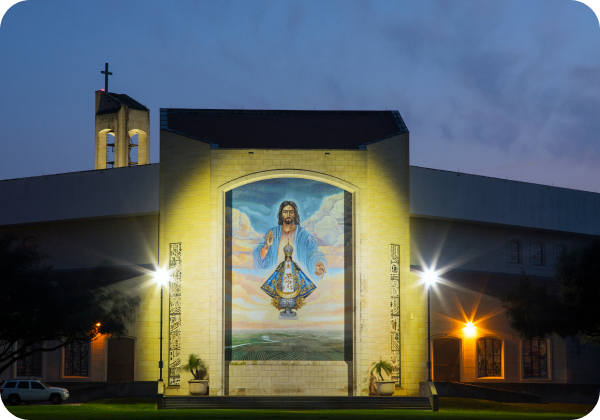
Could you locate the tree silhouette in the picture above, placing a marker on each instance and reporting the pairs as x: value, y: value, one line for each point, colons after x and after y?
x: 38, y: 305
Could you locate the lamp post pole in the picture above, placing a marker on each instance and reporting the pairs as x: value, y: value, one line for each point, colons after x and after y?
x: 429, y: 331
x: 160, y: 362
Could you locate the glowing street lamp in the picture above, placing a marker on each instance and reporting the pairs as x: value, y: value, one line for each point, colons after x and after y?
x: 469, y: 329
x: 161, y: 277
x: 429, y: 277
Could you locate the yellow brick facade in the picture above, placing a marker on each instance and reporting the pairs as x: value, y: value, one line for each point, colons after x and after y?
x: 193, y: 181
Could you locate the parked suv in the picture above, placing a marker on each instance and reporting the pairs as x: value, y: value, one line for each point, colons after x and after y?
x: 15, y: 391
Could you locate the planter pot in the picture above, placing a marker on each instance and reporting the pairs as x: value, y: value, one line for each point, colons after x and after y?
x: 198, y: 387
x: 386, y: 388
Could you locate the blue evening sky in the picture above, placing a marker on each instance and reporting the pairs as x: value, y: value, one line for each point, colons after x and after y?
x: 491, y: 87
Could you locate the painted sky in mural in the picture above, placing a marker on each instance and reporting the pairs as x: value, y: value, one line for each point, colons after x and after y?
x: 320, y: 233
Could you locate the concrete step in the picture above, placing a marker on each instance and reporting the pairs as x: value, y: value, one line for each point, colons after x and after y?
x: 295, y: 403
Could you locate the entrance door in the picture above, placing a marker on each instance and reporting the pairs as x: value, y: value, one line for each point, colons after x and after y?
x: 121, y: 357
x: 446, y: 360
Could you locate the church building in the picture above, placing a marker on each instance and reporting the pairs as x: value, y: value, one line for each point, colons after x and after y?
x: 297, y: 245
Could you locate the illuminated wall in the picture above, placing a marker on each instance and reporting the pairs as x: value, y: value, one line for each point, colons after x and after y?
x: 202, y: 207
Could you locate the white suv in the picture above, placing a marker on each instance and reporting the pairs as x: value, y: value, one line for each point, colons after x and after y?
x: 15, y: 391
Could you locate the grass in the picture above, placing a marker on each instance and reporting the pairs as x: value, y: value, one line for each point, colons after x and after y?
x: 451, y: 408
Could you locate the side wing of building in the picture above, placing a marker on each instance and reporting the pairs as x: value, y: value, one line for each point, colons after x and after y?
x: 482, y: 234
x: 87, y: 223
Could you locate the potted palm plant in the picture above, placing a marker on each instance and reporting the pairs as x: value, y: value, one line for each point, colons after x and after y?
x: 198, y: 368
x: 384, y: 388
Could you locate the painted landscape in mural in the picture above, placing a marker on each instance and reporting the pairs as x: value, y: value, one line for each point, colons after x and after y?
x: 287, y: 251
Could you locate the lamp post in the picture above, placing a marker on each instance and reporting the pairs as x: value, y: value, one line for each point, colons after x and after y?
x: 430, y: 278
x: 161, y: 277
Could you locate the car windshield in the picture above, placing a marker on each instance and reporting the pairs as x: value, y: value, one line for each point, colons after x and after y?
x: 45, y: 384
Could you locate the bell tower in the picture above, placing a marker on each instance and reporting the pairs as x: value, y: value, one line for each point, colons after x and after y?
x: 122, y: 129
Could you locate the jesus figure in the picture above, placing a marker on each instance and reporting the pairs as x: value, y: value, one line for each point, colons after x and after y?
x: 270, y: 252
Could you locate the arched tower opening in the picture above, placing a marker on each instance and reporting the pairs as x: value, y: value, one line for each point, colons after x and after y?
x: 139, y: 148
x: 122, y: 131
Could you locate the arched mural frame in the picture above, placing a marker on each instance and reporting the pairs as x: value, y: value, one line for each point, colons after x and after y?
x: 354, y: 369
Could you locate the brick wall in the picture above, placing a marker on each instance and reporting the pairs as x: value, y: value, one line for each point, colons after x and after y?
x: 194, y: 179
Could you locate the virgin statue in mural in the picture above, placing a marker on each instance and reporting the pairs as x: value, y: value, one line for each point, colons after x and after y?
x: 288, y: 286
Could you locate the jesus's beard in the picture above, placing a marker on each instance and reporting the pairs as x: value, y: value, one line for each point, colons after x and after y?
x: 288, y: 221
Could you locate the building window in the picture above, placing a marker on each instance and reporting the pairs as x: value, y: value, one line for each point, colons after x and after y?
x: 77, y: 359
x: 514, y: 252
x: 559, y: 251
x: 489, y: 357
x: 538, y: 254
x: 30, y: 365
x: 535, y: 359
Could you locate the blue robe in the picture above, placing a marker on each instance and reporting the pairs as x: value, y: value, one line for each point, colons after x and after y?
x: 306, y: 251
x: 300, y: 280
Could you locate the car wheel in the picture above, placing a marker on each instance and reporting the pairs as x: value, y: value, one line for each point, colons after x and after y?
x: 14, y: 399
x: 55, y: 399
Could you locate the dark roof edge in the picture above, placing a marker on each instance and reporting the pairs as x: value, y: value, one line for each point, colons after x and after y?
x: 395, y: 114
x: 364, y: 145
x: 507, y: 180
x: 212, y: 145
x: 136, y: 104
x: 79, y: 172
x: 164, y: 125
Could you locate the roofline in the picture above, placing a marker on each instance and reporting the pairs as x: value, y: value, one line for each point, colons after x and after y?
x: 505, y: 179
x: 164, y: 122
x: 77, y: 172
x: 272, y: 111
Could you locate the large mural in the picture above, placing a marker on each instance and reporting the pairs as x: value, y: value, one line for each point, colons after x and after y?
x: 288, y: 271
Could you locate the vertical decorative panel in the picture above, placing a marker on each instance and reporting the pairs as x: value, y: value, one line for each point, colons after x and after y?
x: 175, y: 314
x: 395, y: 310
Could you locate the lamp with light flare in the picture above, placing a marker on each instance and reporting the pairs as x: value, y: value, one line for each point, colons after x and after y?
x: 430, y: 277
x: 469, y: 329
x: 161, y: 276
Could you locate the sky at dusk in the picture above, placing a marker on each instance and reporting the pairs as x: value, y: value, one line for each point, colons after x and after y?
x: 507, y: 89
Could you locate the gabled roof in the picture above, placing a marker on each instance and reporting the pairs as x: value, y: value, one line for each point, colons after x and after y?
x: 279, y: 129
x: 112, y: 102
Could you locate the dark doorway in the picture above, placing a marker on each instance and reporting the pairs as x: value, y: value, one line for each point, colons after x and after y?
x: 121, y: 357
x: 446, y: 360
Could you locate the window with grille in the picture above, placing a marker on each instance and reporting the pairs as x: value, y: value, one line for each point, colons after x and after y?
x: 538, y: 254
x: 77, y: 359
x: 535, y: 359
x: 559, y: 251
x: 489, y: 356
x: 514, y: 252
x: 30, y: 243
x: 30, y: 365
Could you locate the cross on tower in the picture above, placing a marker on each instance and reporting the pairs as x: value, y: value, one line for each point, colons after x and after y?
x: 106, y: 74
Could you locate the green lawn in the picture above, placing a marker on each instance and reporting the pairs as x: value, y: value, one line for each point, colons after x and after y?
x: 451, y: 408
